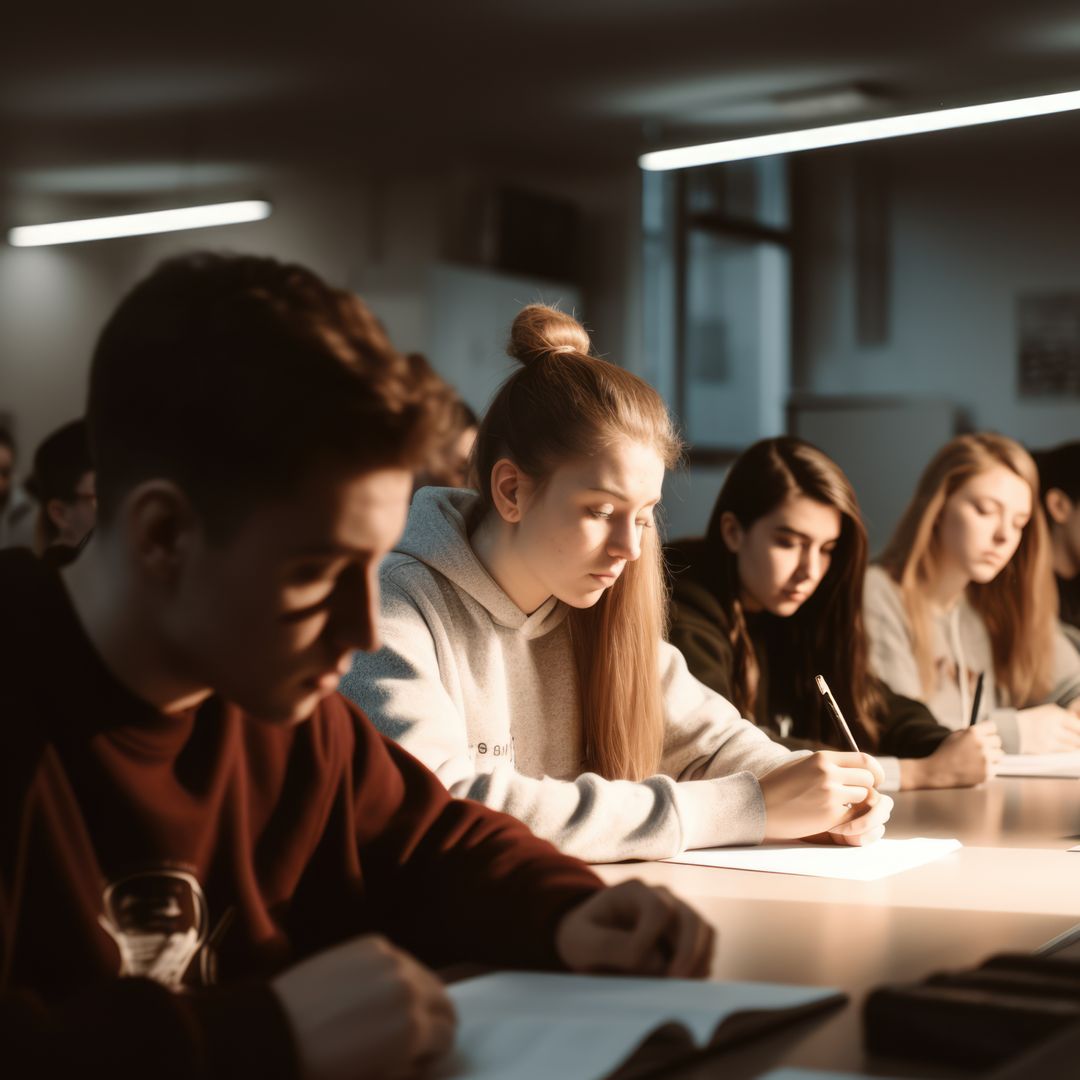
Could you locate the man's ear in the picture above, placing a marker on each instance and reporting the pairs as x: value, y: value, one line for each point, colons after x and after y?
x: 731, y: 532
x: 1059, y: 506
x: 510, y: 489
x: 162, y: 527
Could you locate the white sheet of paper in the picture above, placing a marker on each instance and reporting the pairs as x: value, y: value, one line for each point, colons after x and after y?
x: 1064, y: 766
x: 535, y: 1026
x: 878, y: 860
x: 812, y: 1074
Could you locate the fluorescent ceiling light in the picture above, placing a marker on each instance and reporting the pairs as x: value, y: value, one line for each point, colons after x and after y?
x: 889, y: 127
x: 157, y: 221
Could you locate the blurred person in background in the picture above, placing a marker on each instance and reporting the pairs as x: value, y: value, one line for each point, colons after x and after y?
x: 1059, y: 482
x: 7, y: 468
x: 63, y: 485
x: 964, y: 587
x: 458, y: 451
x: 16, y: 515
x: 451, y: 463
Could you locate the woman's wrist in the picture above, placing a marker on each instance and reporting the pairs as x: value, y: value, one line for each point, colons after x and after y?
x: 913, y: 773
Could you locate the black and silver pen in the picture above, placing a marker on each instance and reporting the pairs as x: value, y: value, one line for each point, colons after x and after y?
x: 830, y: 701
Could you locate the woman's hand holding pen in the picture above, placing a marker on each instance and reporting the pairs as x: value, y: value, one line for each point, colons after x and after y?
x: 829, y: 792
x: 965, y: 758
x: 865, y: 827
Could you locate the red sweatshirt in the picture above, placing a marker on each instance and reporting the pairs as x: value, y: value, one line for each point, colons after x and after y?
x: 200, y: 854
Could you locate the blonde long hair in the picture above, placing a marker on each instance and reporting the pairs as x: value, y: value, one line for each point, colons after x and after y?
x: 1019, y: 606
x: 560, y: 405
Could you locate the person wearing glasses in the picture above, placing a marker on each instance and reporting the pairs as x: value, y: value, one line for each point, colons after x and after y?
x: 63, y: 485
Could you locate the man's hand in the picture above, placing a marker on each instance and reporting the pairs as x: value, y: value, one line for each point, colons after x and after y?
x: 635, y: 929
x: 365, y: 1008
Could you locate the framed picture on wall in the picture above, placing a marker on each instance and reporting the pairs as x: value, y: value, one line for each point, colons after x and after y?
x: 1048, y: 344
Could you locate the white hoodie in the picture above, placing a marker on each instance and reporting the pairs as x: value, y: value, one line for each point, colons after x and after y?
x: 486, y: 697
x: 961, y: 649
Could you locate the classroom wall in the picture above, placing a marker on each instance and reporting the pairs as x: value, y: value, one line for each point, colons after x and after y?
x: 689, y: 495
x: 51, y: 306
x: 971, y: 223
x: 381, y: 236
x: 974, y: 218
x: 53, y: 301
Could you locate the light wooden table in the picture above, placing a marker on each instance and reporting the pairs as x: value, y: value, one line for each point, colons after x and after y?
x: 1012, y: 887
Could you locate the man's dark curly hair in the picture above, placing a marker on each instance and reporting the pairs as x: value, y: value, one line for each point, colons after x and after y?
x: 236, y: 376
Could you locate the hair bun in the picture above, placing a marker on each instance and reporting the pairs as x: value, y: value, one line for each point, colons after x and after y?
x: 540, y: 331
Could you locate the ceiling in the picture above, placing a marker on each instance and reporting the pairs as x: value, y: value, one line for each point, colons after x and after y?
x: 114, y: 99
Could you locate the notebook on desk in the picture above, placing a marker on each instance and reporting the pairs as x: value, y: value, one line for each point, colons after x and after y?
x: 535, y: 1026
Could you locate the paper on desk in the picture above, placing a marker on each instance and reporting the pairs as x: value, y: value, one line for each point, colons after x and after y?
x: 790, y: 1074
x: 1064, y: 766
x: 813, y: 1074
x: 877, y: 860
x: 535, y: 1026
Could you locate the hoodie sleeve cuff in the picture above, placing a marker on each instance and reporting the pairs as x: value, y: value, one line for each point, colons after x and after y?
x: 1005, y: 720
x: 723, y: 812
x: 890, y: 766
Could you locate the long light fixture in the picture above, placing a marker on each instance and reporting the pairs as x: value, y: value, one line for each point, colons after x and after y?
x: 156, y: 221
x: 889, y: 127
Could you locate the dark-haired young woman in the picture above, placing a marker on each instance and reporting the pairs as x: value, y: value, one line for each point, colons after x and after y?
x: 772, y: 597
x: 523, y: 627
x: 1059, y: 483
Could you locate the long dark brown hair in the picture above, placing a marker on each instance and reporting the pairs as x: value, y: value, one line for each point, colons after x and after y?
x: 825, y: 636
x: 560, y: 405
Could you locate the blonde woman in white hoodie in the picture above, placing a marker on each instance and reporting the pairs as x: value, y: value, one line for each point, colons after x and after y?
x: 965, y: 587
x: 523, y: 626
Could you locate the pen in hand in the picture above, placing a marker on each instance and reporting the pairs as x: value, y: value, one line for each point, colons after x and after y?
x: 978, y: 699
x: 838, y: 716
x: 875, y: 804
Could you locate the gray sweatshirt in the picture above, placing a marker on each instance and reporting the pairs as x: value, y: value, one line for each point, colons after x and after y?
x: 486, y: 696
x: 962, y: 649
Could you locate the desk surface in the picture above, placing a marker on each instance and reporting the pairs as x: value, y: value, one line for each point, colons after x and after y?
x: 1012, y: 887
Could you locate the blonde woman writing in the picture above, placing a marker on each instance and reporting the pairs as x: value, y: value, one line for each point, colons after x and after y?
x: 524, y: 658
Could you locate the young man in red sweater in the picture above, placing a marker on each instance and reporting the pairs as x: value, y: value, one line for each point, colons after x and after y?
x: 186, y: 802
